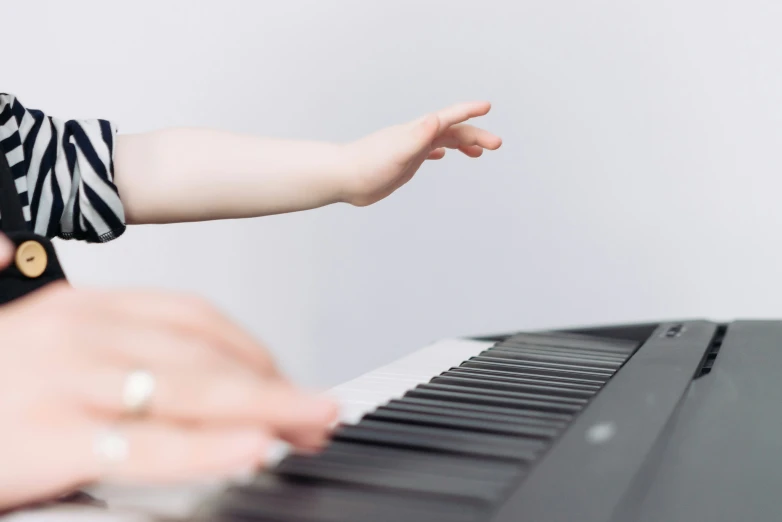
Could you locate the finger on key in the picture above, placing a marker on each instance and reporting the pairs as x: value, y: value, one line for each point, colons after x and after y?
x: 210, y: 399
x: 148, y: 452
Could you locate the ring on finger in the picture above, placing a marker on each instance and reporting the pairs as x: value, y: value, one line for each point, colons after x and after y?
x: 137, y: 392
x: 111, y: 447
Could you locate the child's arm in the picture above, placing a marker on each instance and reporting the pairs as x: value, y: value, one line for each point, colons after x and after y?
x: 180, y: 175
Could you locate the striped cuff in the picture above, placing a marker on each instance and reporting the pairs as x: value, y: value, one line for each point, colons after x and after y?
x: 64, y: 171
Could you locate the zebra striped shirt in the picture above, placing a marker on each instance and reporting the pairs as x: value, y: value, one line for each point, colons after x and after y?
x: 64, y: 173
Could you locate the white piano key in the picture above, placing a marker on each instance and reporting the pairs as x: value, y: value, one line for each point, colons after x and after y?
x: 365, y: 393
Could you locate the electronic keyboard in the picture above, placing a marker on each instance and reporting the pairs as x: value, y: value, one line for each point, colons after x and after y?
x: 660, y: 422
x: 671, y: 421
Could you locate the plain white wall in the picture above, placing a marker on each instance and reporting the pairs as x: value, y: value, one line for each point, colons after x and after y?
x: 639, y: 179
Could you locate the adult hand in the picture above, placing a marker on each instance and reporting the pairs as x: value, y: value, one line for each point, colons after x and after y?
x: 65, y: 354
x: 6, y: 252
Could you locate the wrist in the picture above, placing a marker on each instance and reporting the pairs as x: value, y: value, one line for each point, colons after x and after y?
x: 351, y: 183
x: 340, y: 174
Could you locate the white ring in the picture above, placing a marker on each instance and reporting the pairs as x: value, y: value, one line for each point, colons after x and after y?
x: 139, y: 386
x: 111, y: 447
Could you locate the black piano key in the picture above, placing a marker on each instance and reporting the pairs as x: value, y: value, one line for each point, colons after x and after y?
x: 511, y: 365
x: 491, y: 375
x: 559, y: 351
x: 446, y: 409
x: 271, y: 498
x: 568, y: 360
x: 529, y: 400
x: 472, y: 467
x: 533, y: 401
x: 461, y: 424
x: 576, y: 341
x: 563, y: 382
x: 448, y: 402
x: 480, y: 399
x: 537, y: 363
x: 543, y: 390
x: 508, y: 366
x: 456, y: 434
x: 440, y: 440
x: 390, y: 477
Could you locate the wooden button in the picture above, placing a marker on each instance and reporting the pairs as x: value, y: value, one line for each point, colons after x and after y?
x: 31, y: 259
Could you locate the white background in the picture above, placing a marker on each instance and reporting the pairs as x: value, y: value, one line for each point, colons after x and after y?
x: 639, y: 177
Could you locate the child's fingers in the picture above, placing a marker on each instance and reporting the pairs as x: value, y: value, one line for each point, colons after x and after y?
x: 465, y: 135
x: 473, y: 151
x: 437, y: 154
x: 461, y: 112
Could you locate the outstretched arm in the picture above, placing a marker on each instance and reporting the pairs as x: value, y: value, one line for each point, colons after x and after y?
x: 180, y: 175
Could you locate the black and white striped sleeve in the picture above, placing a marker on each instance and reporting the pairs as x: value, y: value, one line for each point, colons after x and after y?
x: 64, y: 172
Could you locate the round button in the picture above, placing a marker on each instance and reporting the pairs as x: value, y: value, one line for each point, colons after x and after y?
x: 31, y: 258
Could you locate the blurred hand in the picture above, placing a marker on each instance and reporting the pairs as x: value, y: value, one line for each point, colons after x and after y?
x: 382, y: 162
x: 6, y: 252
x: 217, y: 406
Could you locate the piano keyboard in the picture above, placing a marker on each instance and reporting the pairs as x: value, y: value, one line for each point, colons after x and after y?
x: 443, y: 434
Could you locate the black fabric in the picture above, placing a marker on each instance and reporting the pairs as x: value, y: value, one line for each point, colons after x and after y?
x: 10, y: 205
x: 13, y: 283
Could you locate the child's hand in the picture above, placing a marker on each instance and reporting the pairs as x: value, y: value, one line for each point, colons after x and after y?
x: 180, y: 175
x: 384, y: 161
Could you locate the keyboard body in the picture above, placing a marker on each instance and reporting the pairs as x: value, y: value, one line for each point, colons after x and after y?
x: 656, y: 422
